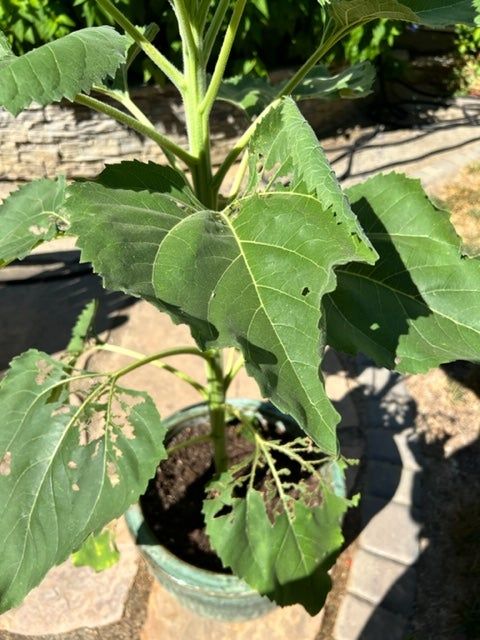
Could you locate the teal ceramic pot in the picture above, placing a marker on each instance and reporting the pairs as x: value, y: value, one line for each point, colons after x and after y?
x: 213, y: 595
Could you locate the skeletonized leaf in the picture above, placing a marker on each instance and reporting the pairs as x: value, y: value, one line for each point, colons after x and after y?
x: 28, y: 217
x: 419, y: 306
x: 61, y: 69
x: 66, y: 468
x: 287, y: 559
x: 437, y: 13
x: 253, y: 94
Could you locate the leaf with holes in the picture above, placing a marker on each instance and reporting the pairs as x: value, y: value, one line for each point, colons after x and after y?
x: 196, y: 264
x: 29, y: 217
x: 286, y: 556
x: 67, y: 468
x: 419, y: 306
x: 61, y: 69
x: 285, y: 156
x: 254, y: 277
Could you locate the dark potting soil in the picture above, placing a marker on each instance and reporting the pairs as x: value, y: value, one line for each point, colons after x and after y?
x: 172, y: 504
x: 173, y: 500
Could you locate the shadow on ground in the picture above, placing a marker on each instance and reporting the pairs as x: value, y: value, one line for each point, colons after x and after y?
x: 41, y: 298
x: 437, y: 597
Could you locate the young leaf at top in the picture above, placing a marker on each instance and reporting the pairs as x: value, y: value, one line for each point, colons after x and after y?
x: 419, y: 306
x: 281, y: 546
x: 30, y: 216
x: 435, y: 13
x: 61, y: 69
x: 253, y: 94
x: 67, y: 468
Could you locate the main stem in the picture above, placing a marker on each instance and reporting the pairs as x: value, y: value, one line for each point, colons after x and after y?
x: 198, y: 129
x: 198, y: 124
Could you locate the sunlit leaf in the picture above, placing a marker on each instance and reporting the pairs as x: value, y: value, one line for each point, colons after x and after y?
x: 419, y: 306
x: 60, y: 69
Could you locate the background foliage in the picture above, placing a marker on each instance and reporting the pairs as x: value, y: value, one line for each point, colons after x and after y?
x: 269, y: 38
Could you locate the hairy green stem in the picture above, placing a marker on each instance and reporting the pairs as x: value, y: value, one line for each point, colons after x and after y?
x: 185, y: 24
x: 217, y: 410
x: 172, y: 73
x: 233, y: 372
x: 164, y: 142
x: 129, y: 353
x: 123, y: 98
x: 198, y: 125
x: 214, y: 29
x: 159, y: 356
x: 202, y: 15
x: 316, y: 56
x: 223, y: 56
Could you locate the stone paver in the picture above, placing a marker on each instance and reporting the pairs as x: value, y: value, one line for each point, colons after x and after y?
x: 383, y: 582
x: 400, y: 448
x: 432, y: 153
x: 73, y: 597
x: 167, y: 620
x: 392, y: 530
x: 392, y: 482
x: 362, y: 620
